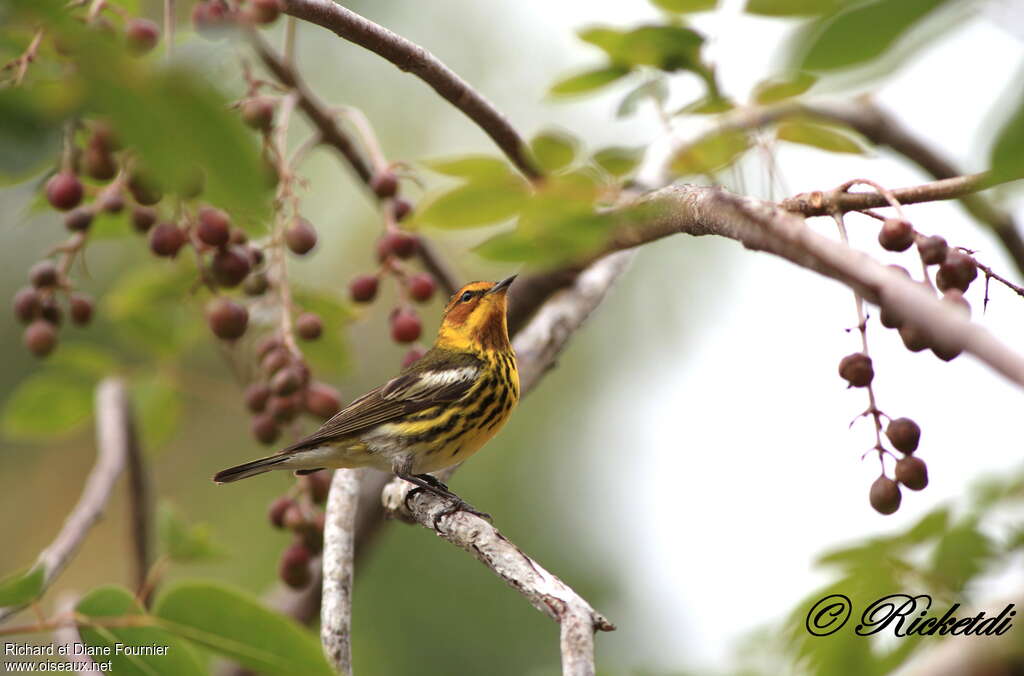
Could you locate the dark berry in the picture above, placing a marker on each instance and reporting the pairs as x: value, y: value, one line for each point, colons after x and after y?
x: 904, y: 434
x: 384, y: 184
x: 111, y: 202
x: 98, y: 163
x: 322, y: 400
x: 81, y: 308
x: 64, y: 191
x: 40, y: 337
x: 166, y: 239
x: 402, y: 208
x: 142, y: 35
x: 856, y: 369
x: 914, y: 339
x: 143, y: 218
x: 43, y: 274
x: 405, y: 326
x: 412, y: 356
x: 932, y: 249
x: 268, y: 343
x: 284, y: 409
x: 238, y: 236
x: 213, y: 226
x: 363, y: 288
x: 309, y: 326
x: 264, y: 429
x: 263, y: 11
x: 400, y: 244
x: 256, y: 396
x: 300, y: 236
x: 26, y: 304
x: 912, y: 472
x: 230, y: 266
x: 319, y: 484
x: 256, y: 284
x: 885, y: 495
x: 274, y: 360
x: 286, y: 381
x: 277, y: 509
x: 228, y: 320
x: 294, y: 570
x: 896, y: 234
x: 210, y: 18
x: 258, y: 113
x: 957, y: 271
x: 293, y: 519
x: 78, y: 220
x: 50, y: 310
x: 421, y: 287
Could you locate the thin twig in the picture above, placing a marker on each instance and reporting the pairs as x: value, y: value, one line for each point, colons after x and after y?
x: 338, y: 563
x: 141, y: 507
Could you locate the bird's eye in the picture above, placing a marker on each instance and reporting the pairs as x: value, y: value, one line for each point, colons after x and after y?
x: 466, y: 297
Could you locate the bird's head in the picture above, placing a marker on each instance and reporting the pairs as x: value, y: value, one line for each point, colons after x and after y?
x: 475, y: 317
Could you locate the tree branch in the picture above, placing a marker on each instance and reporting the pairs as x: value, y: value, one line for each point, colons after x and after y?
x: 338, y: 556
x: 819, y: 203
x: 414, y: 59
x: 114, y: 437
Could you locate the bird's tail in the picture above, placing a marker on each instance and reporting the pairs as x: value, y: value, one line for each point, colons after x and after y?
x: 249, y: 469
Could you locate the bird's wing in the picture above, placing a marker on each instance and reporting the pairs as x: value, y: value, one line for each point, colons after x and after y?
x: 412, y: 391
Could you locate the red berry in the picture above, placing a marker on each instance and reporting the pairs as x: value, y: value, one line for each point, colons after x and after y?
x: 384, y: 184
x: 294, y: 519
x: 112, y: 203
x: 210, y: 18
x: 264, y: 429
x: 309, y: 326
x: 319, y: 485
x: 230, y: 266
x: 256, y: 396
x: 402, y: 208
x: 957, y: 271
x: 27, y: 304
x: 227, y: 319
x: 81, y: 308
x: 294, y: 570
x: 143, y: 218
x: 300, y: 236
x: 421, y: 287
x: 405, y: 326
x: 268, y: 343
x: 896, y: 234
x: 274, y: 360
x: 277, y: 509
x: 363, y: 288
x: 856, y: 369
x: 98, y: 162
x: 142, y: 35
x: 286, y: 381
x: 40, y: 337
x: 284, y: 409
x: 64, y: 191
x: 258, y: 113
x: 914, y: 339
x: 213, y: 227
x: 43, y: 274
x: 904, y: 434
x: 912, y: 472
x: 78, y: 220
x: 263, y: 11
x: 166, y: 239
x: 412, y: 356
x: 885, y: 495
x: 933, y: 250
x: 400, y: 244
x: 50, y: 310
x: 322, y: 400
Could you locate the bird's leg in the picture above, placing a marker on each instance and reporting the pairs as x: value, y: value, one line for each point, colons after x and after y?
x: 427, y: 482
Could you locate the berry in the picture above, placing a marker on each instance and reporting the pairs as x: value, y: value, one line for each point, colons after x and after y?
x: 412, y: 356
x: 284, y: 409
x: 64, y: 191
x: 26, y: 304
x: 300, y: 236
x: 142, y: 35
x: 210, y: 18
x: 384, y: 184
x: 363, y: 288
x: 145, y: 188
x: 904, y: 434
x: 238, y: 236
x: 78, y: 220
x: 957, y: 271
x: 143, y: 218
x: 274, y: 360
x: 43, y: 274
x: 319, y: 484
x: 421, y: 287
x: 293, y: 518
x: 40, y: 337
x: 955, y: 297
x: 914, y: 339
x: 400, y: 244
x: 166, y: 239
x: 946, y: 352
x: 933, y: 250
x: 263, y: 11
x: 230, y: 266
x: 309, y: 326
x: 256, y: 284
x: 214, y: 226
x: 256, y: 396
x: 896, y: 234
x: 286, y: 381
x: 112, y: 203
x: 277, y: 509
x: 885, y: 495
x: 98, y: 162
x: 258, y: 113
x: 268, y: 343
x: 890, y: 319
x: 103, y: 137
x: 228, y: 320
x: 405, y: 326
x: 294, y: 570
x: 81, y: 308
x: 264, y: 428
x: 402, y: 208
x: 50, y: 311
x: 856, y: 369
x: 322, y: 400
x: 912, y: 472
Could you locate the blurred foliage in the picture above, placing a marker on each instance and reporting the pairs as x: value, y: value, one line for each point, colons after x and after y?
x: 22, y: 586
x: 184, y: 543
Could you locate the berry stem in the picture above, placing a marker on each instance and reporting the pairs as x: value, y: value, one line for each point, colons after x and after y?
x: 169, y: 14
x: 285, y: 198
x: 882, y: 190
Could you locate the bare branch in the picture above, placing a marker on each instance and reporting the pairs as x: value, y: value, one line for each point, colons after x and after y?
x: 140, y: 504
x: 820, y: 203
x: 338, y: 557
x: 414, y: 59
x: 114, y: 437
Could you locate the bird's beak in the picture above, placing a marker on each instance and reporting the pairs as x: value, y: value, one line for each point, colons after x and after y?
x: 502, y: 286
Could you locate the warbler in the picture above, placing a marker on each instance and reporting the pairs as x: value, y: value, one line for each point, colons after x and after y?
x: 437, y: 412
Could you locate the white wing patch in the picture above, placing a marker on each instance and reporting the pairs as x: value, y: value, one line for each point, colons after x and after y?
x: 430, y: 382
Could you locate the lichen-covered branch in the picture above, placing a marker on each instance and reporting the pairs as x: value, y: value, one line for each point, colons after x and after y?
x: 338, y: 564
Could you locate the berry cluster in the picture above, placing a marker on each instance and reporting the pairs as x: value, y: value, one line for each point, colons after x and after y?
x: 210, y: 18
x: 299, y: 513
x: 38, y: 307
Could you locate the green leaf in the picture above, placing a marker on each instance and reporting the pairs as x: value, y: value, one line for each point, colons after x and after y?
x: 158, y: 402
x: 30, y: 120
x: 46, y: 406
x: 508, y: 247
x: 930, y: 526
x: 711, y: 153
x: 1007, y: 156
x: 182, y: 542
x: 91, y: 362
x: 773, y: 90
x: 962, y: 553
x: 618, y: 160
x: 588, y: 81
x: 150, y: 306
x: 838, y: 41
x: 655, y: 89
x: 707, y: 105
x: 666, y: 47
x: 818, y: 136
x: 475, y: 204
x: 117, y: 602
x: 240, y: 627
x: 685, y: 6
x: 19, y: 588
x: 554, y: 150
x: 608, y: 40
x: 470, y: 166
x: 794, y: 7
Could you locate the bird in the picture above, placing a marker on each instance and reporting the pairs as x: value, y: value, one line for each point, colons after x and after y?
x: 435, y: 413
